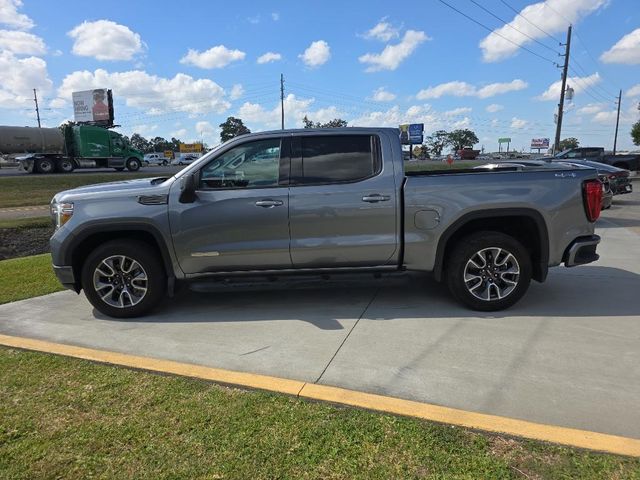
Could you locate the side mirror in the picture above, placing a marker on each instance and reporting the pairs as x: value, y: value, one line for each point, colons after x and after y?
x: 188, y: 186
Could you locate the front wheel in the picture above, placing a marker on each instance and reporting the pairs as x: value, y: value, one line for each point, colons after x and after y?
x: 165, y: 163
x: 44, y: 165
x: 488, y: 271
x: 123, y: 278
x: 133, y: 164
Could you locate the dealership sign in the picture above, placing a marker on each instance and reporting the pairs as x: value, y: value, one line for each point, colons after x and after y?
x: 190, y: 147
x: 504, y: 140
x: 93, y: 106
x: 540, y: 143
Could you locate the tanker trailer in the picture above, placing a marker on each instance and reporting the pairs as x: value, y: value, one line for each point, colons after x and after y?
x: 48, y: 150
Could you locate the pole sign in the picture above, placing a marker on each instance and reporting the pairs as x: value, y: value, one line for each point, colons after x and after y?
x: 415, y: 133
x: 539, y: 143
x: 93, y: 106
x: 504, y: 140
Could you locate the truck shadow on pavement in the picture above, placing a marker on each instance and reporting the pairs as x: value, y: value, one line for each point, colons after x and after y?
x: 587, y: 291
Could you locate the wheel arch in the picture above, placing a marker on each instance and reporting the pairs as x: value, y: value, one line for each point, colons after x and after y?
x: 524, y: 224
x: 87, y: 240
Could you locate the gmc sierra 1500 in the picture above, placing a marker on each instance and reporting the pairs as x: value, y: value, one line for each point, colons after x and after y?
x: 322, y: 202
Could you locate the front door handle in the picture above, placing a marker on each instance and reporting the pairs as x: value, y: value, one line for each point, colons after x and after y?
x: 376, y: 197
x: 268, y: 203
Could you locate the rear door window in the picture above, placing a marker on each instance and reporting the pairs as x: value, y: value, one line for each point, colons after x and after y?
x: 330, y: 159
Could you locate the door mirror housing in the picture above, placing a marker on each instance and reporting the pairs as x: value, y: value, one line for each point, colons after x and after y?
x: 188, y: 186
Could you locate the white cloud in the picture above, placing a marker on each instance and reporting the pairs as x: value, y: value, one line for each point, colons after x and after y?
x: 149, y: 92
x: 206, y: 131
x: 382, y: 95
x: 254, y: 20
x: 494, y: 107
x: 551, y: 16
x: 579, y: 84
x: 180, y: 134
x: 105, y: 40
x: 518, y: 123
x: 144, y: 129
x: 382, y: 31
x: 269, y: 57
x: 464, y: 123
x: 236, y: 92
x: 9, y: 15
x: 294, y: 109
x: 275, y: 16
x: 393, y: 55
x: 18, y: 78
x: 22, y: 43
x: 457, y: 111
x: 464, y: 89
x: 590, y: 109
x: 633, y: 91
x: 216, y: 57
x: 626, y: 50
x: 318, y: 53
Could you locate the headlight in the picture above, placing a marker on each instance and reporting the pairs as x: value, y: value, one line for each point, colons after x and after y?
x: 61, y: 213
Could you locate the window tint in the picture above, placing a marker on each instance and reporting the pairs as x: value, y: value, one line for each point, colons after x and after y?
x: 252, y: 164
x: 340, y: 158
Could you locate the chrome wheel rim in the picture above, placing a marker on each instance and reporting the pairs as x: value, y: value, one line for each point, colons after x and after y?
x: 46, y: 167
x: 491, y: 274
x: 120, y: 281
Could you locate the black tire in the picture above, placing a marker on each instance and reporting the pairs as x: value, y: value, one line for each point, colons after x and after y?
x: 165, y: 163
x: 180, y: 163
x: 150, y: 265
x: 497, y: 276
x: 44, y: 165
x: 65, y: 166
x: 133, y: 164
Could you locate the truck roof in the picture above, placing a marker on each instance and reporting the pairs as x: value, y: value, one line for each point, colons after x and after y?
x: 335, y: 131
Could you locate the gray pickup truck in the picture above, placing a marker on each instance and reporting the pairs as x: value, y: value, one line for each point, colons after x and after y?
x: 322, y: 202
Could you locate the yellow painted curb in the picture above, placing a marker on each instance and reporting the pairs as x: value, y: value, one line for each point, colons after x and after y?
x: 490, y: 423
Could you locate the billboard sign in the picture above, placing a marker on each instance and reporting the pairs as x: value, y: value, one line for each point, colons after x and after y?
x: 411, y: 133
x: 93, y: 106
x: 539, y: 143
x: 404, y: 134
x: 190, y: 148
x: 504, y: 140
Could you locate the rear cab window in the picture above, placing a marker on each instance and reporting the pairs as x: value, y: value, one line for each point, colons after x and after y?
x: 329, y: 159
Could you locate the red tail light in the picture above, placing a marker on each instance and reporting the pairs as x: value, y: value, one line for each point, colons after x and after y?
x: 592, y: 197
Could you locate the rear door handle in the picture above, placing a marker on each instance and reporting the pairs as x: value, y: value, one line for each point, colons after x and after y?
x: 376, y: 197
x: 268, y: 203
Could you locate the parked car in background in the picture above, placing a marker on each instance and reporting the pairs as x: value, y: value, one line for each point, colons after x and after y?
x: 597, y: 154
x: 155, y: 159
x: 617, y: 177
x: 186, y: 160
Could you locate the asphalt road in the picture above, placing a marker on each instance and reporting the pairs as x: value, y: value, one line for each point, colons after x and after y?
x: 568, y: 354
x: 151, y: 170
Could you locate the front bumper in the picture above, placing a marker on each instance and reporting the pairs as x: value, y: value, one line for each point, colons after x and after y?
x: 66, y: 277
x: 581, y: 251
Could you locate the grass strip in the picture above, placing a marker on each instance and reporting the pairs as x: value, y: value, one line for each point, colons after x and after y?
x: 27, y: 277
x: 69, y: 418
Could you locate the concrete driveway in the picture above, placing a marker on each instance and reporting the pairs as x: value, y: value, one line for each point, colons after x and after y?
x: 568, y: 354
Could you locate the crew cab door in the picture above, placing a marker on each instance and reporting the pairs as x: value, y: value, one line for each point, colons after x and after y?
x: 343, y: 205
x: 239, y: 219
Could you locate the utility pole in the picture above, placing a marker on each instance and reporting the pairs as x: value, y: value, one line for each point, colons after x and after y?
x: 282, y: 100
x: 35, y: 99
x: 564, y: 86
x: 615, y: 137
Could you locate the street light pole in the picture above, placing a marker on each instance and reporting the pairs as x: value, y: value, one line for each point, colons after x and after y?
x: 562, y: 91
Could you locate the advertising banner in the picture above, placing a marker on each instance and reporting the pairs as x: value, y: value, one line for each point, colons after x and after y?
x: 539, y: 143
x: 190, y: 147
x: 93, y: 106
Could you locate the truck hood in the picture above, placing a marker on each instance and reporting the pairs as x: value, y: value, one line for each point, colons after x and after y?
x: 138, y: 184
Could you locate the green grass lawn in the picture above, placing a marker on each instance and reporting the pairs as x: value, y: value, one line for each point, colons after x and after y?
x: 26, y: 190
x: 35, y: 222
x: 68, y: 418
x: 26, y: 277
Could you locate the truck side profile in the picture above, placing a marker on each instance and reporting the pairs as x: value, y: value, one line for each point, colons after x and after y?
x: 597, y: 154
x: 49, y: 150
x: 322, y: 202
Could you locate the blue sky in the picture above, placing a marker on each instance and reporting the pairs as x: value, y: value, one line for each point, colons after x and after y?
x: 181, y: 68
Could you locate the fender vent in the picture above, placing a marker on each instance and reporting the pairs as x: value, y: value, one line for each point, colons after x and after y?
x: 153, y: 199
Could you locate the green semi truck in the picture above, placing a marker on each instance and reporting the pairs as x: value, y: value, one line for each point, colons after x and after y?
x: 49, y: 150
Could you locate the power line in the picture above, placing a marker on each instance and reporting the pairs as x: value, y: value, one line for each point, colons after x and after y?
x: 512, y: 27
x: 531, y: 23
x: 496, y: 33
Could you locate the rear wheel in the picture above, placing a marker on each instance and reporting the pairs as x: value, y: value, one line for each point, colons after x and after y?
x: 133, y: 164
x: 65, y: 166
x: 44, y: 165
x: 165, y: 163
x: 123, y: 278
x: 488, y: 271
